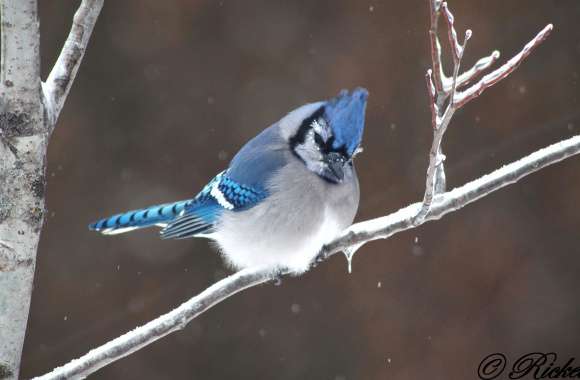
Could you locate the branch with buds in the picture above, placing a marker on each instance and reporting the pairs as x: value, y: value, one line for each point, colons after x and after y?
x: 447, y: 95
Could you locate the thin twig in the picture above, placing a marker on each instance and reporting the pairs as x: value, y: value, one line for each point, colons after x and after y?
x: 476, y: 70
x: 438, y: 75
x: 456, y: 47
x: 432, y: 104
x: 442, y: 111
x: 63, y: 73
x: 435, y: 178
x: 357, y: 234
x: 502, y: 72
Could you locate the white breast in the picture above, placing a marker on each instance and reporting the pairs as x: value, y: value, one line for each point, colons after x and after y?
x: 273, y: 247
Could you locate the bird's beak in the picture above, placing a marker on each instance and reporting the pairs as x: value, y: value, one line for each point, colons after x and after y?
x: 334, y: 170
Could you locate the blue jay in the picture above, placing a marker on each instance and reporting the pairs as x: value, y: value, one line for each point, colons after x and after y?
x: 286, y: 193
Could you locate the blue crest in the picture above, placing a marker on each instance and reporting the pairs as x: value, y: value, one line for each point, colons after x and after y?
x: 346, y: 116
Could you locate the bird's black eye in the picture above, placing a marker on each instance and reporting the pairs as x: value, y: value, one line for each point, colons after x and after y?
x: 318, y: 139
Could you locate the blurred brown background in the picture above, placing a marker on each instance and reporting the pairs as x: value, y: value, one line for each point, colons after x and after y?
x: 167, y: 93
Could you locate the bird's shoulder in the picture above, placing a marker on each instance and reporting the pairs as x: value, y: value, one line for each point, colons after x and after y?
x: 245, y: 181
x: 259, y: 159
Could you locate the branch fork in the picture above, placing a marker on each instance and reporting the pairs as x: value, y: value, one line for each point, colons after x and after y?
x: 63, y: 73
x: 29, y: 110
x: 445, y: 95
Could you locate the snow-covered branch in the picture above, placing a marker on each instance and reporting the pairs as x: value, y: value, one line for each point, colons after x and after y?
x: 359, y: 233
x: 65, y: 69
x: 404, y: 219
x: 445, y: 98
x: 161, y: 326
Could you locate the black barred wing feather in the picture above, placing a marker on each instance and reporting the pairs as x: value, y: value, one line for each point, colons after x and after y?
x: 221, y: 194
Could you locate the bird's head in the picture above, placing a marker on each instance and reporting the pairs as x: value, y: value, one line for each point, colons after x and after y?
x: 327, y: 135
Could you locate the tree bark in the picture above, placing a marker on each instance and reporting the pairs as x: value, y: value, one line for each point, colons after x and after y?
x: 28, y: 114
x: 23, y: 142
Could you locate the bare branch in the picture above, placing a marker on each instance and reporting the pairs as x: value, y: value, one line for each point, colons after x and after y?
x: 432, y: 104
x: 161, y: 326
x: 456, y: 47
x: 440, y: 117
x: 457, y: 62
x: 438, y: 74
x: 477, y: 69
x: 503, y: 71
x: 402, y: 220
x: 440, y: 114
x: 63, y: 73
x: 436, y: 159
x: 356, y: 235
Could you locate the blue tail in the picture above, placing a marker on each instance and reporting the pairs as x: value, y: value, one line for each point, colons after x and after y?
x: 147, y: 217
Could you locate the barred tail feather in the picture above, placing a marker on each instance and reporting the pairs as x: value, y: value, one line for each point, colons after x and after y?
x: 159, y: 215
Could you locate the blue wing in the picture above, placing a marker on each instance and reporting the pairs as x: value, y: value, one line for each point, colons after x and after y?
x: 259, y: 159
x: 190, y: 217
x: 199, y: 216
x: 242, y: 186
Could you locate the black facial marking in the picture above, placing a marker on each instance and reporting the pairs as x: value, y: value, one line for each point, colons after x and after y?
x: 318, y: 139
x: 335, y: 158
x: 306, y: 125
x: 325, y: 146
